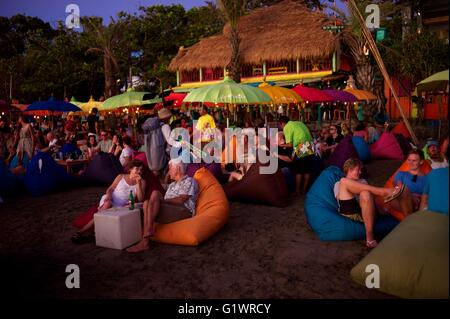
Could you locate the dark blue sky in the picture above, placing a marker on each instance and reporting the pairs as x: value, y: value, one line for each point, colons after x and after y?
x: 54, y: 10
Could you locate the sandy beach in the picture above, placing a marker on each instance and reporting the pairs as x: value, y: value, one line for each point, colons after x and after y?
x: 263, y: 252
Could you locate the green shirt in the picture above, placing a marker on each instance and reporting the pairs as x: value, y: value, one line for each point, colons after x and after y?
x: 296, y: 132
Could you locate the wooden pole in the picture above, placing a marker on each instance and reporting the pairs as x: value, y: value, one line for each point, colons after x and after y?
x: 373, y: 47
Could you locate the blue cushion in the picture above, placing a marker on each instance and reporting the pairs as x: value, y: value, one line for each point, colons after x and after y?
x: 10, y: 184
x: 70, y: 149
x: 321, y: 209
x: 362, y: 148
x: 51, y: 177
x: 15, y: 161
x: 437, y: 188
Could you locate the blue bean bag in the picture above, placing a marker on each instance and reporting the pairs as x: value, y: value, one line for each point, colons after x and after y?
x: 70, y: 149
x: 321, y: 209
x: 362, y: 148
x: 49, y: 178
x: 10, y: 184
x: 15, y: 160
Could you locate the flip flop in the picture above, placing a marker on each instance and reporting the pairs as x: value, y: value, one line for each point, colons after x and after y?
x: 371, y: 244
x: 397, y: 192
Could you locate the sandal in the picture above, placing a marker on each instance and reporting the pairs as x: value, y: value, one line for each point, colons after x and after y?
x: 397, y: 192
x: 371, y: 243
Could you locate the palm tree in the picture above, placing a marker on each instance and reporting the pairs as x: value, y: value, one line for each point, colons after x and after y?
x: 105, y: 40
x: 233, y: 10
x: 353, y: 39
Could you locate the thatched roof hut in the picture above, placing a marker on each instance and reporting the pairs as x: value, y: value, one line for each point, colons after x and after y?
x: 287, y: 30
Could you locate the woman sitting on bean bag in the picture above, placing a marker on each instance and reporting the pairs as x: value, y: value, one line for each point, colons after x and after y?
x: 118, y: 193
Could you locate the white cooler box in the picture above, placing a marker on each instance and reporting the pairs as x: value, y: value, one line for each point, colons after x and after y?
x: 117, y: 227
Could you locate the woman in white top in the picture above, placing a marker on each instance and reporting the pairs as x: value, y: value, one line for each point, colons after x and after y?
x: 117, y: 194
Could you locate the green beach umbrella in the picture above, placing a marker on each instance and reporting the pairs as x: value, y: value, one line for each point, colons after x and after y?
x: 74, y: 101
x: 437, y: 82
x: 228, y: 92
x: 127, y: 99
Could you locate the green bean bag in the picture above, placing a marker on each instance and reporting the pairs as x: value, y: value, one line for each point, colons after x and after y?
x: 412, y: 259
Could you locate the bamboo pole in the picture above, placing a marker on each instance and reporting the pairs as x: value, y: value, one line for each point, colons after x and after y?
x: 379, y: 60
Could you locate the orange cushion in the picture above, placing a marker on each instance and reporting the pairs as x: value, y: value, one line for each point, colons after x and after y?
x: 211, y: 214
x: 425, y: 169
x: 401, y: 128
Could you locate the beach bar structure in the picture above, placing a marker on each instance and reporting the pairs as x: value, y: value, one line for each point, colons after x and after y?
x: 286, y: 43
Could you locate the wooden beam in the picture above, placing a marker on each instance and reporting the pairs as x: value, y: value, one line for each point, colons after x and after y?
x: 373, y: 47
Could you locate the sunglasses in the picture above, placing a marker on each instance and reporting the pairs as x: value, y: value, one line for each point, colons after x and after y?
x: 414, y: 179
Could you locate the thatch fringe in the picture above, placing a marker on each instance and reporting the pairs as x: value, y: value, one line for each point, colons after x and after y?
x: 287, y: 30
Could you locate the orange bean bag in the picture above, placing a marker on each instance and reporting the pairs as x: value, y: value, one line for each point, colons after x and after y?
x: 401, y: 128
x: 425, y: 169
x: 211, y: 214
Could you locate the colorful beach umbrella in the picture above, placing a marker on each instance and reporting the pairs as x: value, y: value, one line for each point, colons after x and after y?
x: 89, y: 105
x: 437, y: 82
x: 228, y: 92
x: 340, y: 96
x: 74, y: 101
x: 280, y: 95
x: 52, y: 105
x: 175, y: 99
x: 128, y: 99
x: 311, y: 95
x: 361, y: 95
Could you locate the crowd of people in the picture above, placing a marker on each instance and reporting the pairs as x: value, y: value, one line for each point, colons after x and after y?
x: 296, y: 147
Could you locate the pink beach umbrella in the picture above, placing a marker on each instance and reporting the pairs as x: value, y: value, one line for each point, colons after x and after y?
x: 311, y: 95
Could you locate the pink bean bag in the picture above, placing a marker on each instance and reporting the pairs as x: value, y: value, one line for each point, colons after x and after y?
x: 386, y: 147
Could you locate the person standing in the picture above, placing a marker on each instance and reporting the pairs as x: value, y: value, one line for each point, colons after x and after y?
x: 155, y: 146
x: 25, y: 142
x: 298, y: 137
x: 205, y: 125
x: 165, y: 116
x: 92, y: 121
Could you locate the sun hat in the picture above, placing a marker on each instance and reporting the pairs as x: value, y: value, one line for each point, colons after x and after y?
x: 164, y: 113
x: 432, y: 143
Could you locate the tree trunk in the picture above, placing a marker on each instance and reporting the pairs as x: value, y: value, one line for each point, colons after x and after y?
x: 235, y: 64
x: 110, y: 85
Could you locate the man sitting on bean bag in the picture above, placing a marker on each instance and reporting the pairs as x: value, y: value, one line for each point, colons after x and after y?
x: 179, y: 202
